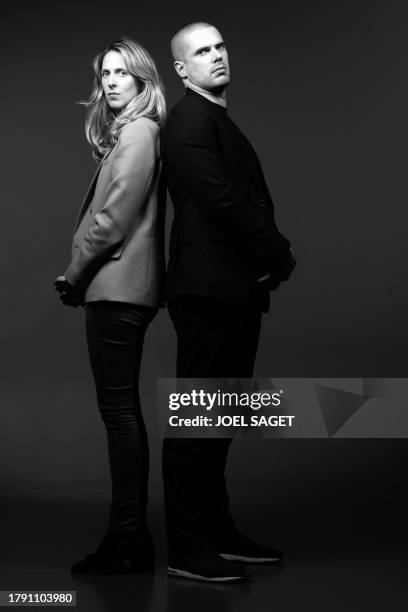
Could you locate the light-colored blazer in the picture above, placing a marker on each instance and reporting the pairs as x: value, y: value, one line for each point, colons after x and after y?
x: 118, y: 245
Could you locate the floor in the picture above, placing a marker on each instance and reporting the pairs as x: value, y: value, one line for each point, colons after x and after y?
x: 344, y: 550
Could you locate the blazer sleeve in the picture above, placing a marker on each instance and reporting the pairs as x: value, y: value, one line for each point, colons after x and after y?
x: 194, y: 154
x: 132, y: 171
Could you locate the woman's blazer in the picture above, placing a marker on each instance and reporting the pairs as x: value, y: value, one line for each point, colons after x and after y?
x: 118, y: 245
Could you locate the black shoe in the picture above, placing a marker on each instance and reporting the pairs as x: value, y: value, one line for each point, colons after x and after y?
x: 120, y: 552
x: 206, y: 565
x: 238, y: 547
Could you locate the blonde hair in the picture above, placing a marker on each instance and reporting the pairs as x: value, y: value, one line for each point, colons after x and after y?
x: 102, y: 125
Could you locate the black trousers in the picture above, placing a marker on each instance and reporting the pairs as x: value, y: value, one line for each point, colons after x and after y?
x: 214, y: 340
x: 115, y: 333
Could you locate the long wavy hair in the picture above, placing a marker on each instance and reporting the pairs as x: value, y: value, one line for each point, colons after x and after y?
x: 102, y: 124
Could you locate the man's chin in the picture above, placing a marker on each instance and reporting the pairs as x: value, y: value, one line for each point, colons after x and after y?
x: 220, y: 84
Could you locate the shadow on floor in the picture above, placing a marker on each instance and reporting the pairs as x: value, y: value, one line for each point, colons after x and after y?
x: 344, y: 549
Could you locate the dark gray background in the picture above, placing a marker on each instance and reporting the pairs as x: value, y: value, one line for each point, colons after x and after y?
x: 320, y: 89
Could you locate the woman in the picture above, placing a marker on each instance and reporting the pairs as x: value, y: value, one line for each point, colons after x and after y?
x: 117, y: 272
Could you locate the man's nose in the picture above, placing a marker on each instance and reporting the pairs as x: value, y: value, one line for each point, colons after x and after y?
x: 217, y: 55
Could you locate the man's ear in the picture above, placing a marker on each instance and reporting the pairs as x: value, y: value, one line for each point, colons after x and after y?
x: 180, y: 69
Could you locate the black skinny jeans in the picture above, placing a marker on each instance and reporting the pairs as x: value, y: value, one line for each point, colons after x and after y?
x: 115, y: 333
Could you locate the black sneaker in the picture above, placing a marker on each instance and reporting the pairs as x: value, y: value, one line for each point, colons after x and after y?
x: 240, y: 548
x: 208, y: 566
x: 119, y: 553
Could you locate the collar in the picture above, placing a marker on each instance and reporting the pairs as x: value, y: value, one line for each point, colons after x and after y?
x: 213, y: 105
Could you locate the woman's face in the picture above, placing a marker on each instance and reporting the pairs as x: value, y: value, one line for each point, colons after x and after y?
x: 119, y: 86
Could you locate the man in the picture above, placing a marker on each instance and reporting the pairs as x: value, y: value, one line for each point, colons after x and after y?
x: 226, y: 253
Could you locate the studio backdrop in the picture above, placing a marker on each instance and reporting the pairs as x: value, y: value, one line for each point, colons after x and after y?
x: 320, y: 89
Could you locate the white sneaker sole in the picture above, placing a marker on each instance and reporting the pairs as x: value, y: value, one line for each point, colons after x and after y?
x: 179, y: 573
x: 229, y: 557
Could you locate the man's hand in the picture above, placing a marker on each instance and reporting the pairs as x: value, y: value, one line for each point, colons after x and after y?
x: 283, y: 271
x: 290, y: 264
x: 69, y: 295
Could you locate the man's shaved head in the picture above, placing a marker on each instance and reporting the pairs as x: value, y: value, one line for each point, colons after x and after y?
x: 179, y: 38
x: 200, y: 57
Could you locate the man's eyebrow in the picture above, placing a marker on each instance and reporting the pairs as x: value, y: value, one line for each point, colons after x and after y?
x: 201, y: 49
x: 207, y: 48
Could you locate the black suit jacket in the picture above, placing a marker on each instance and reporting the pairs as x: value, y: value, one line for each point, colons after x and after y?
x: 224, y: 236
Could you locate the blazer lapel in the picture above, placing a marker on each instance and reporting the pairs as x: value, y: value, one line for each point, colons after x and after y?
x: 91, y: 190
x: 88, y: 197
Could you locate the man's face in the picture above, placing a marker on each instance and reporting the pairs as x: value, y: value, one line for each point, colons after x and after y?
x: 119, y: 86
x: 205, y: 59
